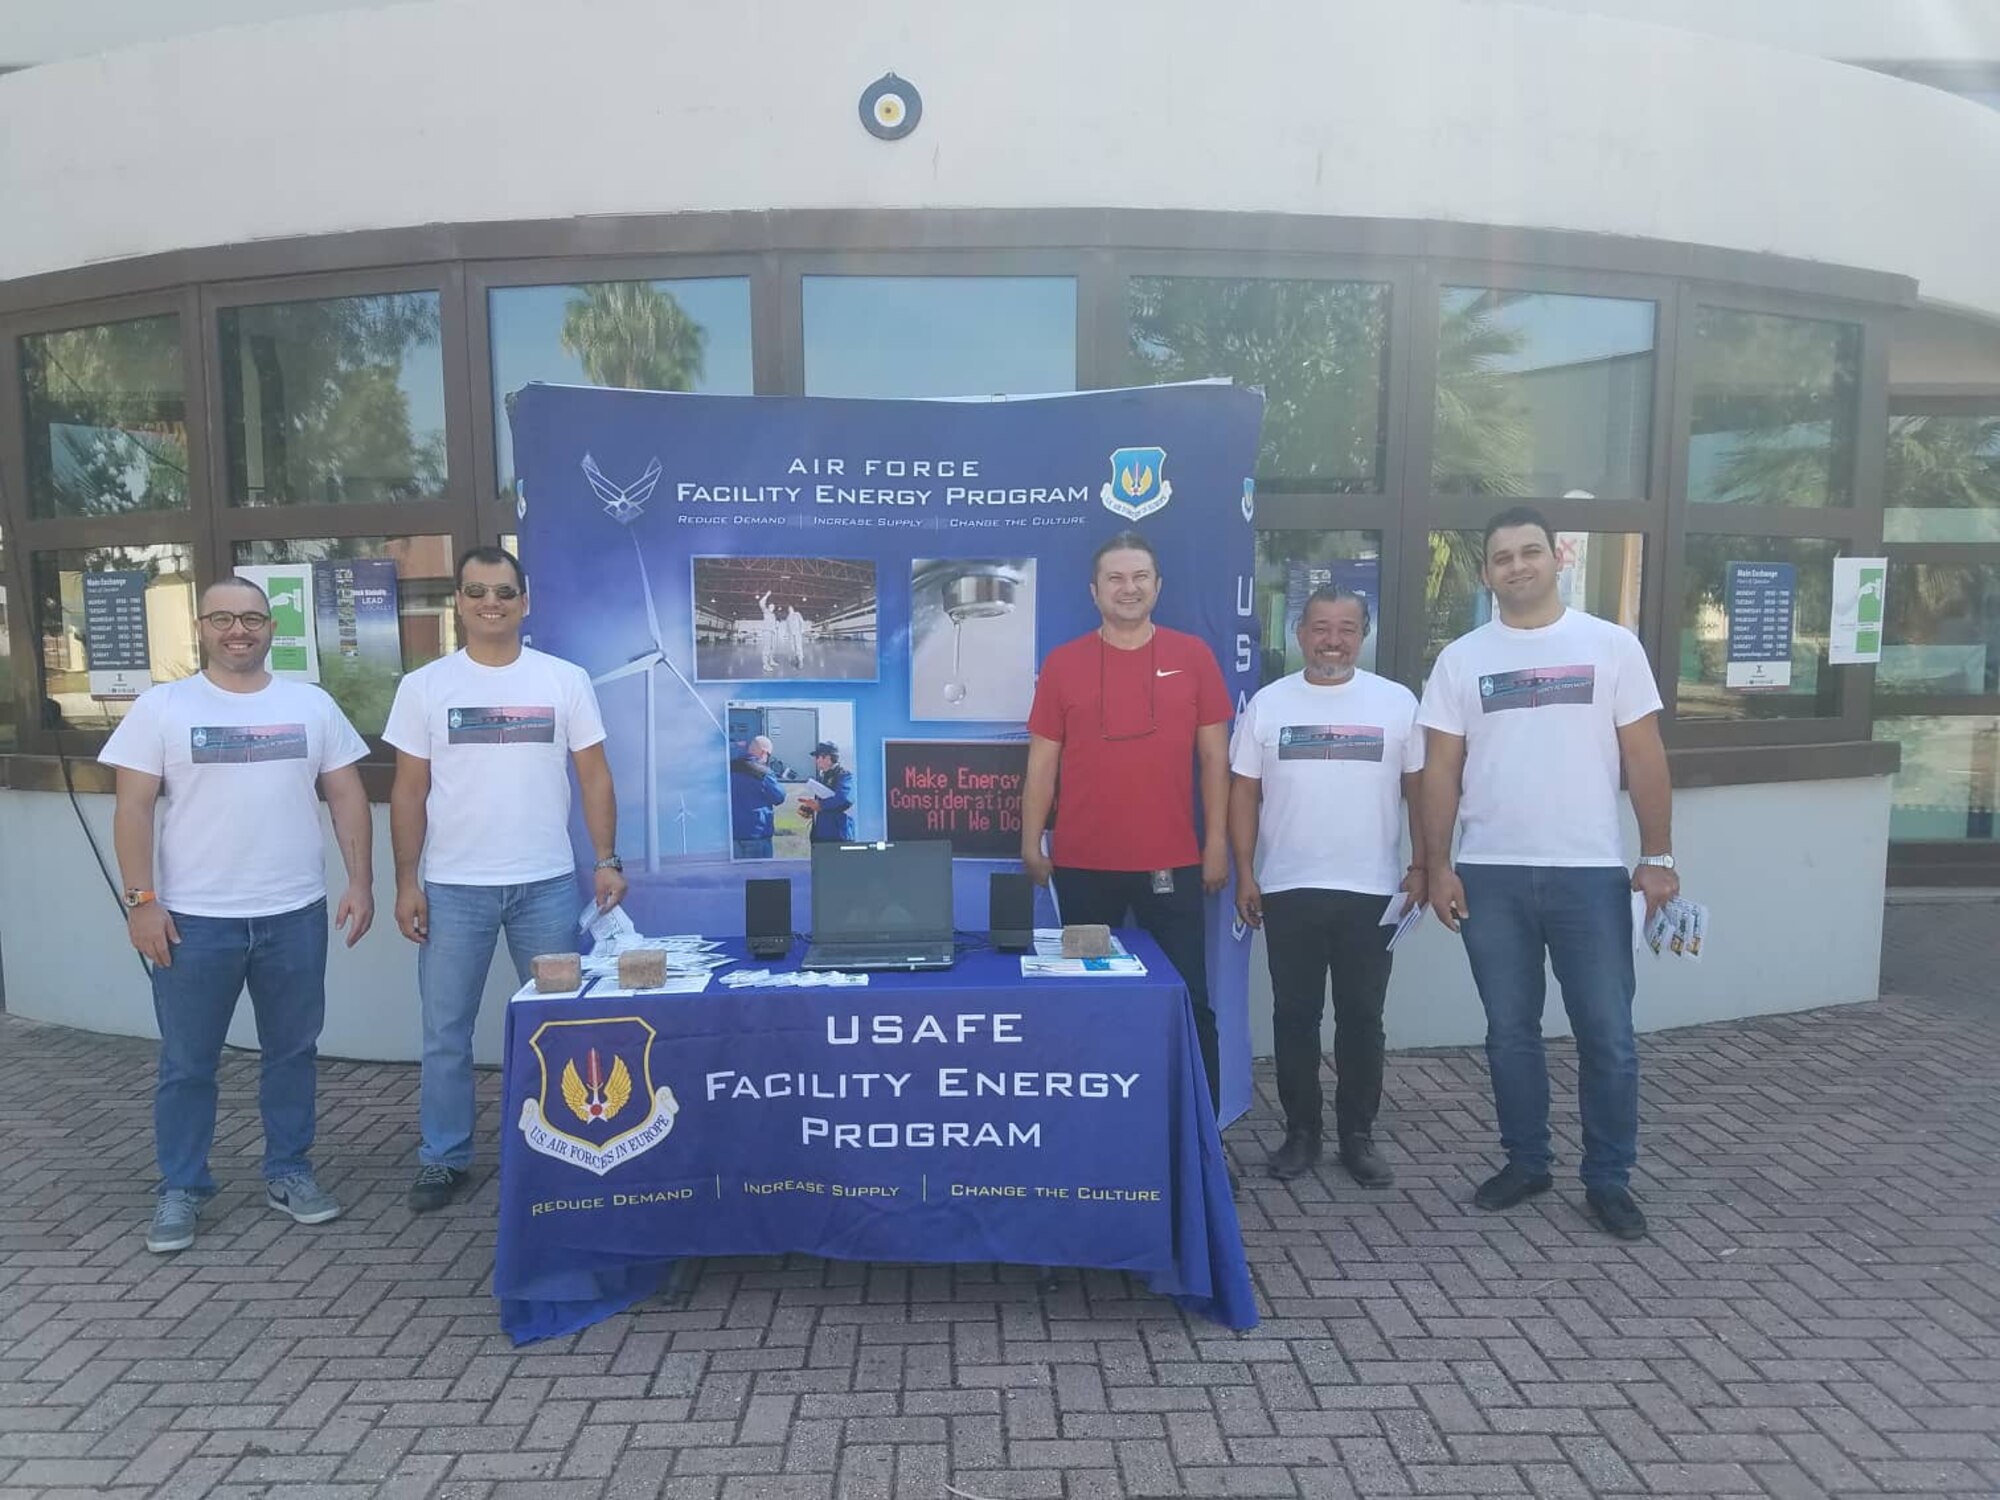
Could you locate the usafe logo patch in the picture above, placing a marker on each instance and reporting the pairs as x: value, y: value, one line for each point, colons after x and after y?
x: 598, y: 1106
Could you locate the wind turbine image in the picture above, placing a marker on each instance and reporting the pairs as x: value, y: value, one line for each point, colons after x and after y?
x: 625, y: 504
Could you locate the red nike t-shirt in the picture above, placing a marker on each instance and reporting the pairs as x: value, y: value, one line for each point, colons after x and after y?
x: 1126, y: 721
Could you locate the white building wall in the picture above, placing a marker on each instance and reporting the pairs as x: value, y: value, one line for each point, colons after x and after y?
x: 1792, y: 873
x: 477, y: 110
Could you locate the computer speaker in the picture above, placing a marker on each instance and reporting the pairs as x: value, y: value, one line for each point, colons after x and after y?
x: 1010, y: 913
x: 767, y: 917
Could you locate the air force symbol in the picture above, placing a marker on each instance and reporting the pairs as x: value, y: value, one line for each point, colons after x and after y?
x: 601, y: 1116
x: 1137, y: 487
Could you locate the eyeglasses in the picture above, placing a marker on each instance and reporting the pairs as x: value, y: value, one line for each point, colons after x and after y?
x: 249, y: 619
x: 506, y: 593
x: 1152, y: 684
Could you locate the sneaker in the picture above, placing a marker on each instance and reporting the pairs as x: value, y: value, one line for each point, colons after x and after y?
x: 1509, y: 1186
x: 435, y: 1187
x: 1364, y: 1163
x: 173, y: 1221
x: 1616, y: 1213
x: 1296, y: 1156
x: 302, y: 1197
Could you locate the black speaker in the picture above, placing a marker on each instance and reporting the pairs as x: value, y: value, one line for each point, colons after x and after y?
x: 1010, y: 913
x: 767, y: 917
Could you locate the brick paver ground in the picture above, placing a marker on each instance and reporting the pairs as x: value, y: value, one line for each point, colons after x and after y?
x: 1817, y: 1313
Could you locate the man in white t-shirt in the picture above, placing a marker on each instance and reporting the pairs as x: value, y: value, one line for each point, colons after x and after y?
x: 1322, y: 764
x: 1530, y: 720
x: 479, y: 819
x: 230, y: 889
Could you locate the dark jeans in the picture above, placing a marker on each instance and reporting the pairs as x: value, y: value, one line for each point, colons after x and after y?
x: 1307, y: 935
x: 1174, y: 921
x: 283, y: 961
x: 1582, y: 918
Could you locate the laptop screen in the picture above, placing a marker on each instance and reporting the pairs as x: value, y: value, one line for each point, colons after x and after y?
x: 863, y: 892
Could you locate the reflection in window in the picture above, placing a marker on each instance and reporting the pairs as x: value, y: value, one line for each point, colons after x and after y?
x: 381, y: 606
x: 939, y: 335
x: 1704, y: 645
x: 172, y: 643
x: 1319, y: 350
x: 691, y: 335
x: 1543, y: 395
x: 1774, y: 404
x: 105, y: 409
x: 9, y: 733
x: 1948, y: 786
x: 1599, y: 573
x: 1942, y: 480
x: 1942, y: 630
x: 334, y: 402
x: 1290, y: 565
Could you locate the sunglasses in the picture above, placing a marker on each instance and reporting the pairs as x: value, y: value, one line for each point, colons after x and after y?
x: 249, y: 619
x: 506, y: 593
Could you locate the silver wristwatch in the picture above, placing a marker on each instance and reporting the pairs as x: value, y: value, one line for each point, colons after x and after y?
x: 609, y: 862
x: 1664, y: 861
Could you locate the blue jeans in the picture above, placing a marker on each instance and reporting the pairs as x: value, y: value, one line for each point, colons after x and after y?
x: 1583, y: 919
x: 465, y: 921
x: 283, y: 960
x: 753, y: 848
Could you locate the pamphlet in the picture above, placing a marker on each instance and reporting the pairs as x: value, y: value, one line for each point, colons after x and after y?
x: 1679, y: 928
x: 1120, y: 966
x: 1401, y: 914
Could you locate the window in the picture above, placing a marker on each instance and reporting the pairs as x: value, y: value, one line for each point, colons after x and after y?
x: 1774, y: 410
x: 1318, y: 349
x: 381, y: 606
x: 9, y: 734
x: 338, y: 401
x: 1543, y: 395
x: 691, y: 335
x: 166, y: 589
x: 1941, y: 635
x: 1705, y: 694
x: 105, y: 417
x: 939, y: 335
x: 1290, y: 565
x: 1599, y: 573
x: 1942, y: 480
x: 1948, y: 787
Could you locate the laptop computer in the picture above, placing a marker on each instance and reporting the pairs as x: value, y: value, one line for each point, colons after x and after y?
x: 881, y: 906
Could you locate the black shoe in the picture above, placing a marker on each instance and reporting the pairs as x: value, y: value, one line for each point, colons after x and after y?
x: 435, y: 1187
x: 1296, y: 1157
x: 1364, y: 1163
x: 1616, y: 1213
x: 1508, y: 1186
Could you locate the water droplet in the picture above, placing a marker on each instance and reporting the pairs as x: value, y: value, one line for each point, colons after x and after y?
x: 954, y: 692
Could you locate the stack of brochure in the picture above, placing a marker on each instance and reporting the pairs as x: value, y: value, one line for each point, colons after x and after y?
x: 1047, y: 962
x: 1678, y: 928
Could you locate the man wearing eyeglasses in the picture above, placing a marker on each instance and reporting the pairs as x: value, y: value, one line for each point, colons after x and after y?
x: 1119, y: 720
x: 479, y: 819
x: 226, y: 887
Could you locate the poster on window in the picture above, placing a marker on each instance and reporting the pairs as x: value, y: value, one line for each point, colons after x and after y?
x: 1860, y: 589
x: 1762, y: 598
x: 114, y: 634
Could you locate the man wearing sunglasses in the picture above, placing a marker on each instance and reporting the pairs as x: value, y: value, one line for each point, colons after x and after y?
x: 219, y: 844
x: 479, y: 819
x: 1119, y: 720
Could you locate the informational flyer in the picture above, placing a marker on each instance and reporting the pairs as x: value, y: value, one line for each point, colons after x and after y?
x: 1860, y: 589
x: 114, y: 634
x: 289, y: 587
x: 359, y: 637
x: 1761, y: 598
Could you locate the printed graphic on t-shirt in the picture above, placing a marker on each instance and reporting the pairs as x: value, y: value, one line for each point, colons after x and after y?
x: 1537, y: 687
x: 520, y: 724
x: 1330, y: 742
x: 244, y: 744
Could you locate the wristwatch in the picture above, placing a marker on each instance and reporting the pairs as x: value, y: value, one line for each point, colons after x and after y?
x: 609, y: 862
x: 1664, y: 861
x: 136, y: 898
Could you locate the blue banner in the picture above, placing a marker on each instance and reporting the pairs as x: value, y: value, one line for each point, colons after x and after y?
x: 748, y: 579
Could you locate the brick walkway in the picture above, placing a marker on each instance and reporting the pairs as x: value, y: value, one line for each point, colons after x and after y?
x: 1818, y: 1312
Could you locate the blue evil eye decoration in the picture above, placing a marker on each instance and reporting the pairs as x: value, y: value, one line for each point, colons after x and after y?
x: 890, y: 108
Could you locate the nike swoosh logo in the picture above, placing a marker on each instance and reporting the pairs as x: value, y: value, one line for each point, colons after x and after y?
x: 1175, y: 673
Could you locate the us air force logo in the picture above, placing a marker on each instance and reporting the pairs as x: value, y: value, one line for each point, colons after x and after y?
x: 1137, y: 487
x: 606, y: 1108
x: 454, y: 719
x: 1250, y: 500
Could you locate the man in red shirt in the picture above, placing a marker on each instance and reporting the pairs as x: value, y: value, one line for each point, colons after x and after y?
x: 1123, y: 714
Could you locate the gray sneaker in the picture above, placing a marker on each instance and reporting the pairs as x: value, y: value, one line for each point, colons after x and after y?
x: 301, y: 1197
x: 173, y: 1221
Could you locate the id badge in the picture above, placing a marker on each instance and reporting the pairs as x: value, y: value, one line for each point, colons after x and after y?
x: 1163, y: 882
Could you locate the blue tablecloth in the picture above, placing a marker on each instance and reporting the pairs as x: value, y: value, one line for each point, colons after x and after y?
x: 968, y: 1115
